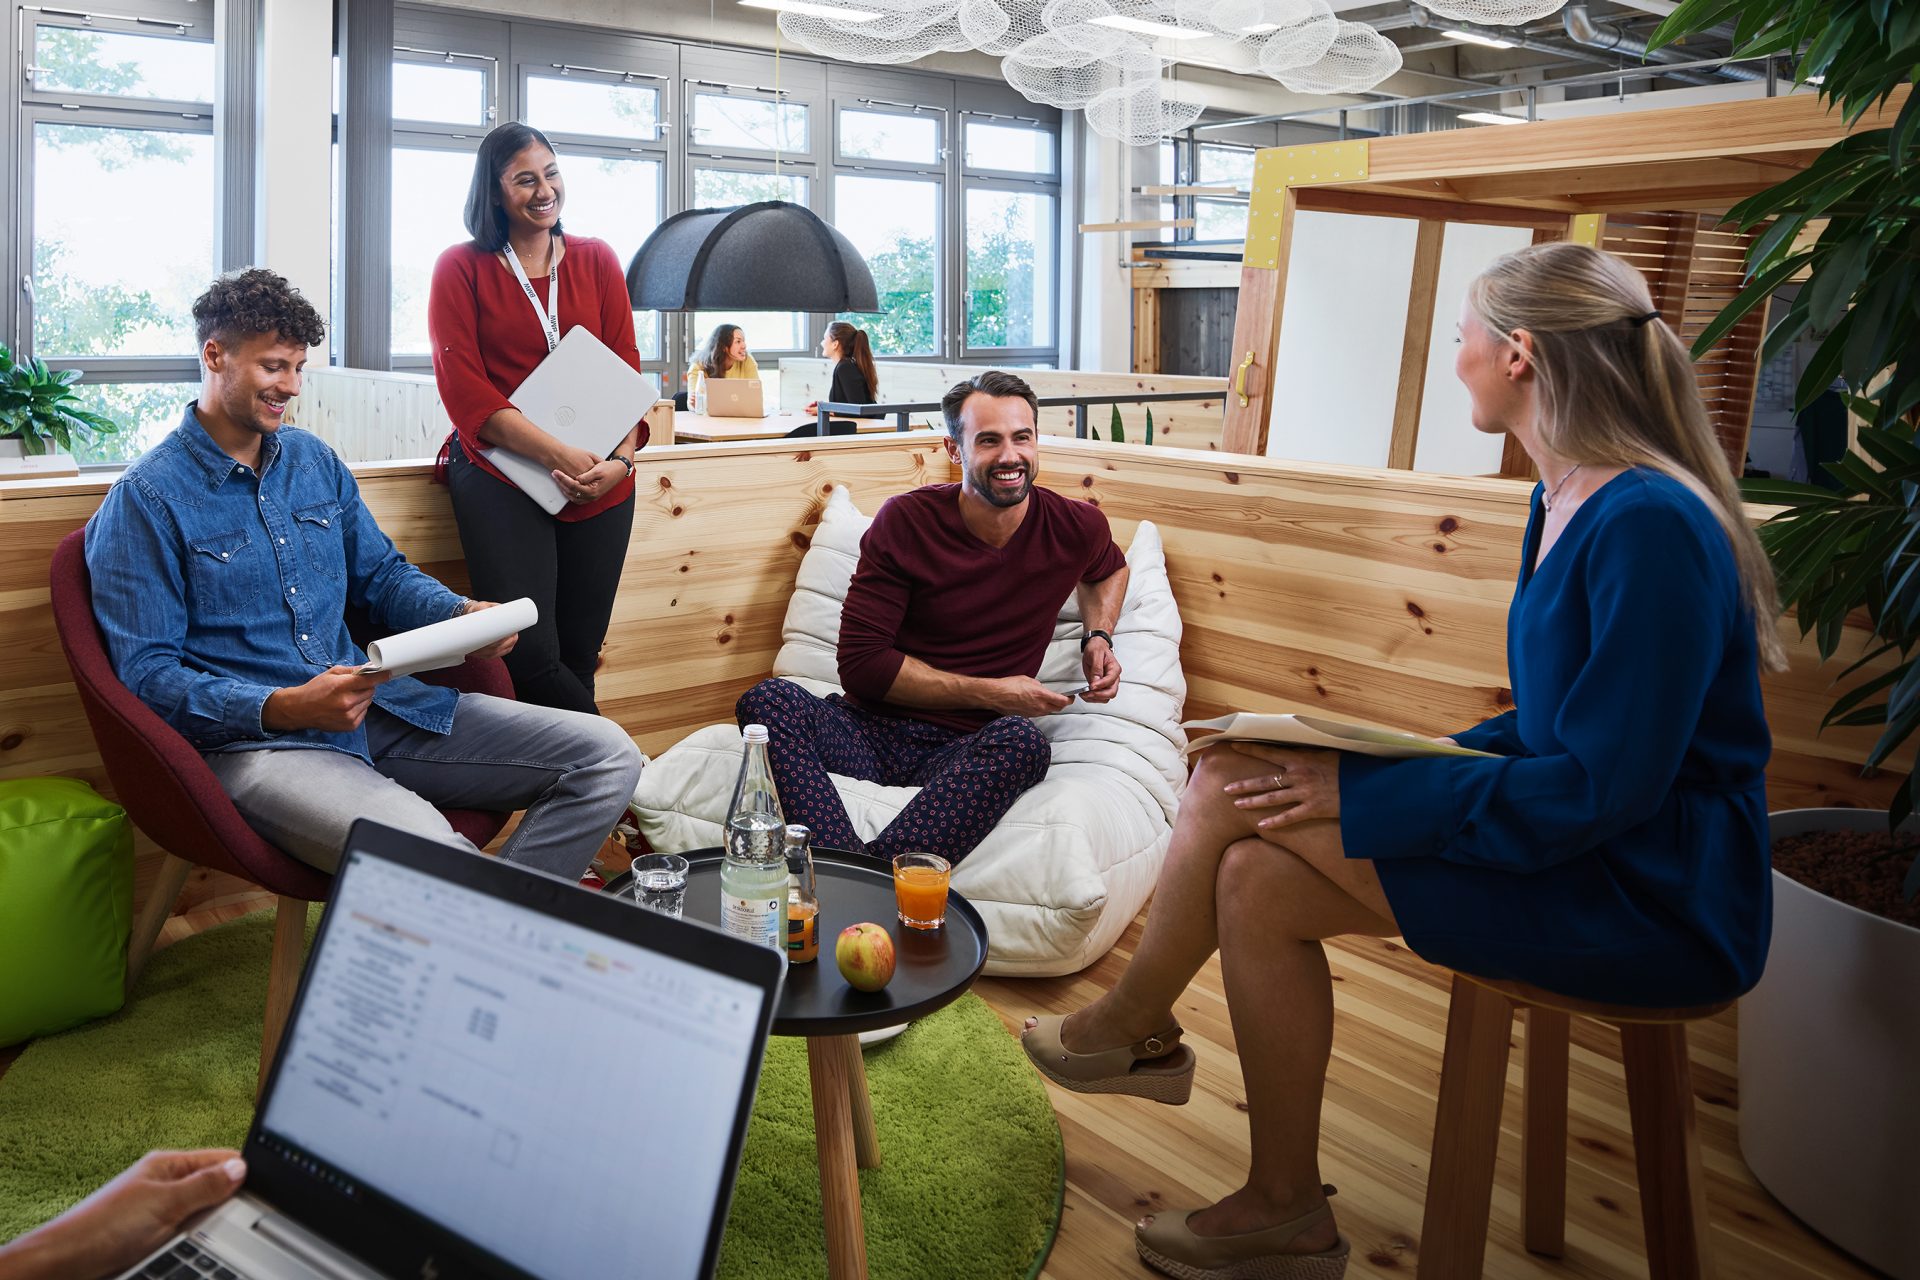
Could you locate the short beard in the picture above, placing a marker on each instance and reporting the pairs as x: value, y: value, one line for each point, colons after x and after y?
x: 983, y: 485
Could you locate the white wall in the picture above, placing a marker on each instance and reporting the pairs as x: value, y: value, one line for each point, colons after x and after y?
x: 1448, y: 442
x: 294, y: 209
x: 1341, y: 327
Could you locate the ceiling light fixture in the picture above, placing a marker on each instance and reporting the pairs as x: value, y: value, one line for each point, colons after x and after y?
x: 1491, y: 117
x: 814, y: 10
x: 1467, y: 37
x: 1159, y: 30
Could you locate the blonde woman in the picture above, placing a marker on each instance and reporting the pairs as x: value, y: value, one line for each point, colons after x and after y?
x: 1615, y: 849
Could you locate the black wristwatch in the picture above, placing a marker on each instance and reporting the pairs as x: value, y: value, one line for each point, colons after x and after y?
x: 622, y: 458
x: 1104, y: 635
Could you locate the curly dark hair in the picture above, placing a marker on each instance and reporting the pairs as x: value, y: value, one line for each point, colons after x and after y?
x: 241, y: 304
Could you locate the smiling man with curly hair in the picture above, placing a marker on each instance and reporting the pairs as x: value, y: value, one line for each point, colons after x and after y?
x: 223, y: 563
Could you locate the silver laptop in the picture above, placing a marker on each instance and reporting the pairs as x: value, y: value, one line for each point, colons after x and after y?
x: 583, y: 395
x: 735, y: 398
x: 455, y: 1094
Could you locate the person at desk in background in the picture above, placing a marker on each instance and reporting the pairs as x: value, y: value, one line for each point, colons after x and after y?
x: 943, y: 630
x: 722, y: 355
x: 1612, y: 847
x: 499, y: 303
x: 855, y: 380
x: 223, y: 564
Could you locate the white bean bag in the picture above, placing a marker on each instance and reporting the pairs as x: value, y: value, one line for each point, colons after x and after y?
x: 1076, y: 857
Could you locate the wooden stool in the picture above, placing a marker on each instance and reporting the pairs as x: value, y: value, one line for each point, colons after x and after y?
x: 1466, y: 1132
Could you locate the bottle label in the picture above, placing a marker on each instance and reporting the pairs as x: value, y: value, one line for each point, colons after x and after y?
x: 755, y: 919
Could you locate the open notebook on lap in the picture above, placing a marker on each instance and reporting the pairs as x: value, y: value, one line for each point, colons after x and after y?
x: 450, y: 1095
x: 583, y: 395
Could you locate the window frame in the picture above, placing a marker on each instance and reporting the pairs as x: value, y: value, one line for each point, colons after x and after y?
x: 943, y: 322
x: 1007, y: 106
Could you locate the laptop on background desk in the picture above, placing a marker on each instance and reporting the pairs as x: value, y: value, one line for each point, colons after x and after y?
x: 735, y: 398
x: 453, y: 1093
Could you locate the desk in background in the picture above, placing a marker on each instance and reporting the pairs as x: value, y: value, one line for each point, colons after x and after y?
x: 689, y: 427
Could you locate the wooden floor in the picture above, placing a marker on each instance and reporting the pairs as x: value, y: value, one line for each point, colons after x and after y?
x: 1127, y: 1157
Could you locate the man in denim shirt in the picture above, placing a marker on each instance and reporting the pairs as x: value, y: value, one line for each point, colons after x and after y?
x: 222, y: 564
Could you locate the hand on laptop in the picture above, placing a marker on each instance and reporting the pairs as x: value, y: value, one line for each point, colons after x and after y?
x: 126, y: 1219
x: 499, y: 648
x: 593, y: 483
x: 336, y: 700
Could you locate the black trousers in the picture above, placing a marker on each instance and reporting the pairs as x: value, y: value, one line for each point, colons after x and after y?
x: 570, y: 570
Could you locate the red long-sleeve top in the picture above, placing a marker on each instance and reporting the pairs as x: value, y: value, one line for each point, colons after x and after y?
x: 486, y: 339
x: 926, y: 587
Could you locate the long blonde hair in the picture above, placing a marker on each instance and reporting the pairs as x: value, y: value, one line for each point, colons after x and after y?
x: 1615, y: 389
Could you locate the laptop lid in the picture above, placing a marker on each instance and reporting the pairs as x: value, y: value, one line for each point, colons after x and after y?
x: 735, y: 398
x: 582, y: 394
x: 455, y: 1091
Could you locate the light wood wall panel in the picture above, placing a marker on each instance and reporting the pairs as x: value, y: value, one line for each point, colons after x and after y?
x: 1363, y: 594
x: 1194, y: 424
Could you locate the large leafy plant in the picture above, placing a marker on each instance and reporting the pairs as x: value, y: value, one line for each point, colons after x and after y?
x: 1851, y: 222
x: 38, y: 405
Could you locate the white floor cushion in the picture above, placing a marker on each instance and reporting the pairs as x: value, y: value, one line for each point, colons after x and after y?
x: 1076, y: 857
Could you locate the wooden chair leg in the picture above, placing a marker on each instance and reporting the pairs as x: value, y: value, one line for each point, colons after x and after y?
x: 1466, y: 1134
x: 1666, y: 1149
x: 283, y: 979
x: 1543, y: 1147
x: 153, y: 914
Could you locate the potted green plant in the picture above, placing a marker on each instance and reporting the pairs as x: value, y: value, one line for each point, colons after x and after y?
x: 1829, y: 1041
x: 38, y: 409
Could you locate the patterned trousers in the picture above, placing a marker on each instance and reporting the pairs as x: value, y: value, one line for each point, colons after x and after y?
x: 967, y: 781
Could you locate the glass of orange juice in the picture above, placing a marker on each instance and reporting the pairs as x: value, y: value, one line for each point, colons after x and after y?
x: 920, y: 889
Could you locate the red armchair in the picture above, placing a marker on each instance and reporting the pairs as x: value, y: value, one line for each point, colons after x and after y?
x: 172, y: 796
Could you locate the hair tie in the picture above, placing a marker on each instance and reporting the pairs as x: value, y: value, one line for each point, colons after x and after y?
x: 1639, y: 322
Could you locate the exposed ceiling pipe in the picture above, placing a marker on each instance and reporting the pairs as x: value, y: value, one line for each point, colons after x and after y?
x: 1420, y: 17
x: 1583, y: 30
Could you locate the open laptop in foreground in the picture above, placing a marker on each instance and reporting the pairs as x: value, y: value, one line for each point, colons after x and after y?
x: 491, y: 1072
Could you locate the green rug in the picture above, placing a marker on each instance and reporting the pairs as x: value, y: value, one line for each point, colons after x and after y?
x: 970, y: 1186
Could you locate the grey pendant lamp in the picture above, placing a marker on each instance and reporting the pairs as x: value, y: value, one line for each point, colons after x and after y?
x: 771, y: 256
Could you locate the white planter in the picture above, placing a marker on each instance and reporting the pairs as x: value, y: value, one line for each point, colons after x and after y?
x: 1830, y: 1064
x: 17, y: 464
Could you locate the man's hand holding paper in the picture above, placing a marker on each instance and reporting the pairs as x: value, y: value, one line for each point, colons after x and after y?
x: 483, y: 630
x: 499, y: 648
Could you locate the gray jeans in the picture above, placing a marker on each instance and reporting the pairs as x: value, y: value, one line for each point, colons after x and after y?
x: 573, y: 773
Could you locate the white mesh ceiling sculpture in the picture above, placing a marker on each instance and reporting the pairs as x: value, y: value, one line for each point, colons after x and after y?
x: 1108, y: 58
x: 1502, y: 13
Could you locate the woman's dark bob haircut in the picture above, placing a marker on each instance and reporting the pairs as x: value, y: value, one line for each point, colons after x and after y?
x: 486, y: 220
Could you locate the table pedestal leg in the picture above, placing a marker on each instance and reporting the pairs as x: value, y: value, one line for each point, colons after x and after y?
x: 866, y: 1140
x: 835, y: 1071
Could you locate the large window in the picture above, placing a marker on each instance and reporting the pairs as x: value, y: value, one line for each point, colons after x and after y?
x: 116, y: 208
x: 1010, y: 239
x: 895, y: 224
x: 1217, y: 217
x: 429, y: 200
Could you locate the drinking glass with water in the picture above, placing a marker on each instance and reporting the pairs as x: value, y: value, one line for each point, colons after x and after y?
x: 660, y: 882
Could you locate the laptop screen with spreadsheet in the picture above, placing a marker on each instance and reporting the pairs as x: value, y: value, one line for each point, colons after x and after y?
x: 559, y: 1098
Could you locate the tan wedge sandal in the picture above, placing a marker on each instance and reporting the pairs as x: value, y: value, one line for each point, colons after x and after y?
x: 1159, y: 1067
x: 1168, y: 1244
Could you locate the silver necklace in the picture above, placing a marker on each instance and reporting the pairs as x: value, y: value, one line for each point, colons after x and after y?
x: 1546, y: 500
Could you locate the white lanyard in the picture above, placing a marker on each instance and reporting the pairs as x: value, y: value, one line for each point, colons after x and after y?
x: 550, y: 314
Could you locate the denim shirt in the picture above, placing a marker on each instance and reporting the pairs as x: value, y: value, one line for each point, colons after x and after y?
x: 215, y: 586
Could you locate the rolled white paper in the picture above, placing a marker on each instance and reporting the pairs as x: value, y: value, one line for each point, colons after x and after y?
x: 446, y: 644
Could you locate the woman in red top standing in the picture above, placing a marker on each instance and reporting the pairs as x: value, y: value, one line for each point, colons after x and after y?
x: 492, y: 316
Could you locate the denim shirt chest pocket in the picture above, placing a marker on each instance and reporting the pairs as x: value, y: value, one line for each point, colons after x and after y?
x: 224, y: 571
x: 319, y: 525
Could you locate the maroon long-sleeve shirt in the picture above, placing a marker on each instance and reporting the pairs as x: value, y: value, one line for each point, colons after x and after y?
x: 928, y: 588
x: 486, y: 339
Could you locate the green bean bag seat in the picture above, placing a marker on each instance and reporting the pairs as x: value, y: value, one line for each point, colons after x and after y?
x: 66, y: 904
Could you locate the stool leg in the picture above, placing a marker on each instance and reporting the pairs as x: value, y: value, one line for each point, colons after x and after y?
x: 283, y: 980
x: 1466, y: 1134
x: 1666, y: 1148
x: 1543, y: 1146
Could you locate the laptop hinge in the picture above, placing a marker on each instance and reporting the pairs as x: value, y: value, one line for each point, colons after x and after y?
x: 284, y: 1233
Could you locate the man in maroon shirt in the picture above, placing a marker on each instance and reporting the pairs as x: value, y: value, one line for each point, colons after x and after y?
x: 941, y: 636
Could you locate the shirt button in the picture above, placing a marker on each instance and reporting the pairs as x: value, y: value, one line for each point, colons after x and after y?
x: 283, y: 542
x: 293, y: 591
x: 303, y: 635
x: 226, y: 555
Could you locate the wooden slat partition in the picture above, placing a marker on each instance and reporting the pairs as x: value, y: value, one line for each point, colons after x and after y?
x: 1192, y: 424
x: 1373, y: 595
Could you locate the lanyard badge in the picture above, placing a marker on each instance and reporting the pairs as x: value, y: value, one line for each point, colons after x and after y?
x: 548, y: 315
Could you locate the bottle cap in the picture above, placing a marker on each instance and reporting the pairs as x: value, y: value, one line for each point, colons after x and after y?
x: 797, y: 834
x: 754, y: 733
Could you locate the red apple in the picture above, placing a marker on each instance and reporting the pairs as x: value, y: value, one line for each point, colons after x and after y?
x: 864, y: 953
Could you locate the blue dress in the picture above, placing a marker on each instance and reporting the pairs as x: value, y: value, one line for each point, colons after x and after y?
x: 1618, y: 849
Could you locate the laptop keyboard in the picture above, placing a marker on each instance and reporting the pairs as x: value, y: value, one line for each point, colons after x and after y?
x: 186, y: 1261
